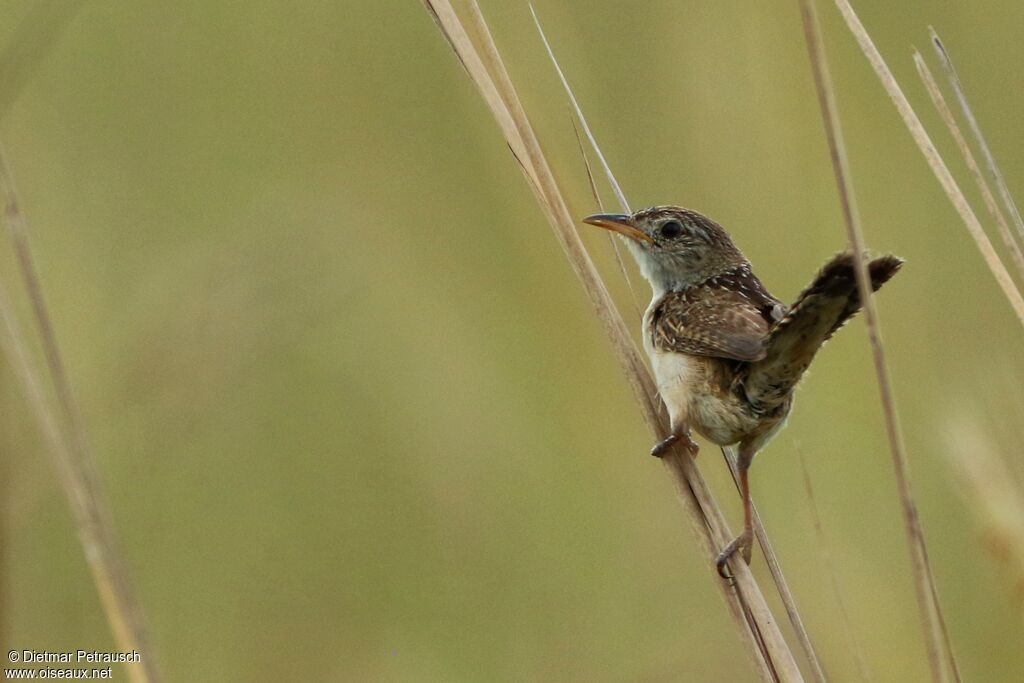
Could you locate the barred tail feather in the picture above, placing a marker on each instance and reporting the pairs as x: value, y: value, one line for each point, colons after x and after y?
x: 824, y: 307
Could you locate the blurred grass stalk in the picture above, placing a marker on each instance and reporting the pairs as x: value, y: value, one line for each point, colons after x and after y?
x: 756, y: 626
x: 990, y: 491
x: 71, y: 458
x: 941, y: 658
x: 988, y: 486
x: 67, y: 444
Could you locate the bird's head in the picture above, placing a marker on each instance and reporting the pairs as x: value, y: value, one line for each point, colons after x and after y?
x: 674, y: 247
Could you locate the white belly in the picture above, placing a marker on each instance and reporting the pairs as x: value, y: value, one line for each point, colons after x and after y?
x: 674, y: 375
x: 718, y: 416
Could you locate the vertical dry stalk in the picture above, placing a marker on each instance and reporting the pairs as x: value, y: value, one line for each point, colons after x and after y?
x: 754, y: 622
x: 972, y: 165
x: 71, y: 458
x: 931, y: 155
x: 990, y: 161
x: 936, y: 639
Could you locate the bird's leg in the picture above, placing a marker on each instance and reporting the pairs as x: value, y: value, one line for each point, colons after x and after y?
x: 744, y: 542
x: 680, y: 435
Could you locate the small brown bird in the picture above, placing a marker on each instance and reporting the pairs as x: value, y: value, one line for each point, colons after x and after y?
x: 726, y: 354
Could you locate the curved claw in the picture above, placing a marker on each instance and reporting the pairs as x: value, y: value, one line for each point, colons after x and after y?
x: 684, y: 439
x: 742, y: 543
x: 662, y: 446
x: 723, y: 571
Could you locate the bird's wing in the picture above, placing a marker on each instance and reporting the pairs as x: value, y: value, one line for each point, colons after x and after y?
x: 708, y: 321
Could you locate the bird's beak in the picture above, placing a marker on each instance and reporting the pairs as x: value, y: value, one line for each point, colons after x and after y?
x: 620, y: 223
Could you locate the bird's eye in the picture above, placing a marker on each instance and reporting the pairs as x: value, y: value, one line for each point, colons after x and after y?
x: 671, y: 230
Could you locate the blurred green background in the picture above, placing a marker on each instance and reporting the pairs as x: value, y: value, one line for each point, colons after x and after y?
x: 353, y: 411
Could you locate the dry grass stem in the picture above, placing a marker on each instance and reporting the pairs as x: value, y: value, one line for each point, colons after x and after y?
x: 755, y: 624
x: 936, y: 638
x: 16, y: 229
x: 600, y: 207
x: 991, y: 492
x: 965, y: 150
x: 972, y: 121
x: 931, y: 155
x: 71, y: 460
x: 850, y: 635
x: 775, y: 569
x: 619, y: 195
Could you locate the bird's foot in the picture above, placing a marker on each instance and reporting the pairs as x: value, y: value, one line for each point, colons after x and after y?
x: 742, y: 543
x: 683, y: 439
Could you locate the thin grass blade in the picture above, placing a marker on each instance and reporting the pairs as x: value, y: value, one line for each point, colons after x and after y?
x: 972, y: 165
x: 611, y: 238
x: 972, y: 121
x: 71, y: 458
x: 583, y: 120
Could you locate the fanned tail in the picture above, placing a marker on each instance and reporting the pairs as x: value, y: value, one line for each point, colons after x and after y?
x: 818, y: 312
